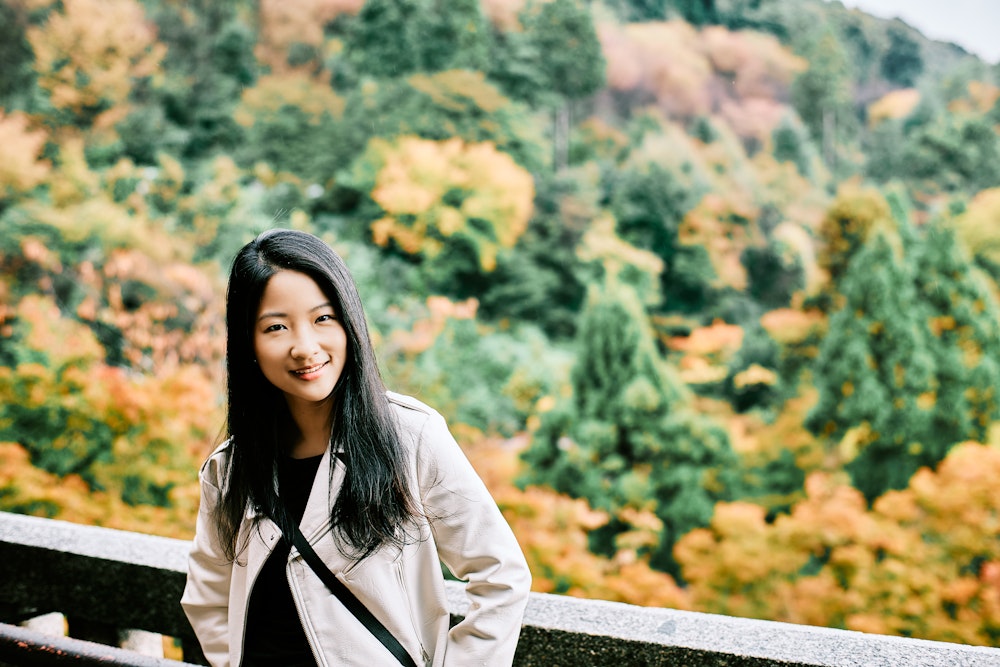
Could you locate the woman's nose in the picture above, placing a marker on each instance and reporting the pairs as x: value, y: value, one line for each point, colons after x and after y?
x: 304, y: 346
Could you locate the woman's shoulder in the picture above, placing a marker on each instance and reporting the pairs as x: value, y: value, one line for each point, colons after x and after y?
x: 212, y: 470
x: 412, y: 414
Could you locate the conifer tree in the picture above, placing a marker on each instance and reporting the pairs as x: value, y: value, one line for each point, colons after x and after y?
x: 456, y: 36
x: 628, y: 439
x: 875, y: 373
x: 964, y: 319
x: 383, y: 40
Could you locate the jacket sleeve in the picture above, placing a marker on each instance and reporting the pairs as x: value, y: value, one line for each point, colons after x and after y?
x: 475, y: 542
x: 206, y: 594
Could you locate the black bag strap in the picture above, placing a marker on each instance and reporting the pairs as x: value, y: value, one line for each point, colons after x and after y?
x: 348, y: 599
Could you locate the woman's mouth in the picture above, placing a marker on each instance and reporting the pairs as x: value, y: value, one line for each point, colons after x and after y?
x: 306, y: 372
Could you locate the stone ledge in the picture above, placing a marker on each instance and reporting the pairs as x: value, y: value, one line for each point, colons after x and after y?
x: 135, y: 581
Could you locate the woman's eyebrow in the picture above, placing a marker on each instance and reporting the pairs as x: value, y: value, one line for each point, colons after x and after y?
x: 274, y: 313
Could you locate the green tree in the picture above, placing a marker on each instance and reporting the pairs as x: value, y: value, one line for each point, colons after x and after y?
x: 698, y: 12
x: 426, y: 36
x: 563, y: 32
x: 368, y: 45
x: 902, y: 63
x: 649, y: 204
x: 456, y: 36
x: 956, y: 154
x: 822, y: 93
x: 962, y: 314
x: 628, y: 439
x: 209, y: 61
x: 875, y: 373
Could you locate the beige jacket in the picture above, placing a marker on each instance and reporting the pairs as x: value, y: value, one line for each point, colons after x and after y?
x: 403, y: 589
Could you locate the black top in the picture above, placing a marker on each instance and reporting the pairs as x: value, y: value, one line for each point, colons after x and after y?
x: 274, y: 634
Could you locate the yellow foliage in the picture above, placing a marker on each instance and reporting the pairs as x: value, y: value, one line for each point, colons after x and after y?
x: 416, y: 180
x: 88, y: 54
x: 21, y: 146
x: 755, y: 374
x: 443, y: 87
x: 267, y: 100
x: 63, y: 340
x: 853, y: 217
x: 600, y: 243
x: 979, y: 225
x: 894, y: 105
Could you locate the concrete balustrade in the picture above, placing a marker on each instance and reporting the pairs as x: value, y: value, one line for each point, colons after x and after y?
x: 109, y: 582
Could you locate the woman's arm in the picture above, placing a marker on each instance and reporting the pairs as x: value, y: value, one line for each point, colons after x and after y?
x: 206, y: 595
x: 477, y: 545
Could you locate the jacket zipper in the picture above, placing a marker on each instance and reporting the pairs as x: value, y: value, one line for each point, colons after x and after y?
x: 409, y: 612
x: 307, y: 628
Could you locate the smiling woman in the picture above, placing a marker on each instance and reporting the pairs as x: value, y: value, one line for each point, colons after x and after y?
x: 301, y: 349
x: 326, y: 513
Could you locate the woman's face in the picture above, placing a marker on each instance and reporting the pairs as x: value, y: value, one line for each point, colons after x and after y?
x: 300, y: 344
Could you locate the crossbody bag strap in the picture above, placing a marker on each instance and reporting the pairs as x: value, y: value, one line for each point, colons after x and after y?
x: 349, y: 600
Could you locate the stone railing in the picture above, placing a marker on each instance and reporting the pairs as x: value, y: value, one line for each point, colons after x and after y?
x: 109, y: 583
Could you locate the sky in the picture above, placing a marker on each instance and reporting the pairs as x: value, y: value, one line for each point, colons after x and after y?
x: 972, y: 24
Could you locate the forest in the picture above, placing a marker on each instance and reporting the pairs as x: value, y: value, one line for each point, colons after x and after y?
x: 707, y: 290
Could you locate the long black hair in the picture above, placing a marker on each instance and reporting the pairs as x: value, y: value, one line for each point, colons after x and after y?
x: 374, y: 507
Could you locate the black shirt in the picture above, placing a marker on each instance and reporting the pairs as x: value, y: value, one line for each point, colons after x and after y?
x: 274, y: 634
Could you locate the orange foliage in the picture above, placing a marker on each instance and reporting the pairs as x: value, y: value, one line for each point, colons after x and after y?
x: 722, y: 224
x: 923, y: 562
x: 552, y: 530
x: 707, y: 351
x: 283, y: 24
x: 788, y: 326
x: 88, y: 54
x: 21, y: 146
x: 29, y: 490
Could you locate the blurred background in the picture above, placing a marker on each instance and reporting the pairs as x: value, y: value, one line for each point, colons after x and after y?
x: 707, y: 289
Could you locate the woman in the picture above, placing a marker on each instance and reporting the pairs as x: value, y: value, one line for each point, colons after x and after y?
x: 374, y: 481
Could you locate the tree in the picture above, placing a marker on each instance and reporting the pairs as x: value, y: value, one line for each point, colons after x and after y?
x: 649, y: 203
x: 963, y: 316
x: 822, y: 93
x: 441, y: 106
x: 923, y: 562
x: 954, y: 154
x: 875, y: 374
x: 572, y: 63
x: 90, y: 55
x: 455, y: 203
x: 902, y: 63
x: 853, y: 218
x: 628, y: 439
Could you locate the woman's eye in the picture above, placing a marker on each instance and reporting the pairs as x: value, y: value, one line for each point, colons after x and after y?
x: 273, y: 327
x: 326, y: 318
